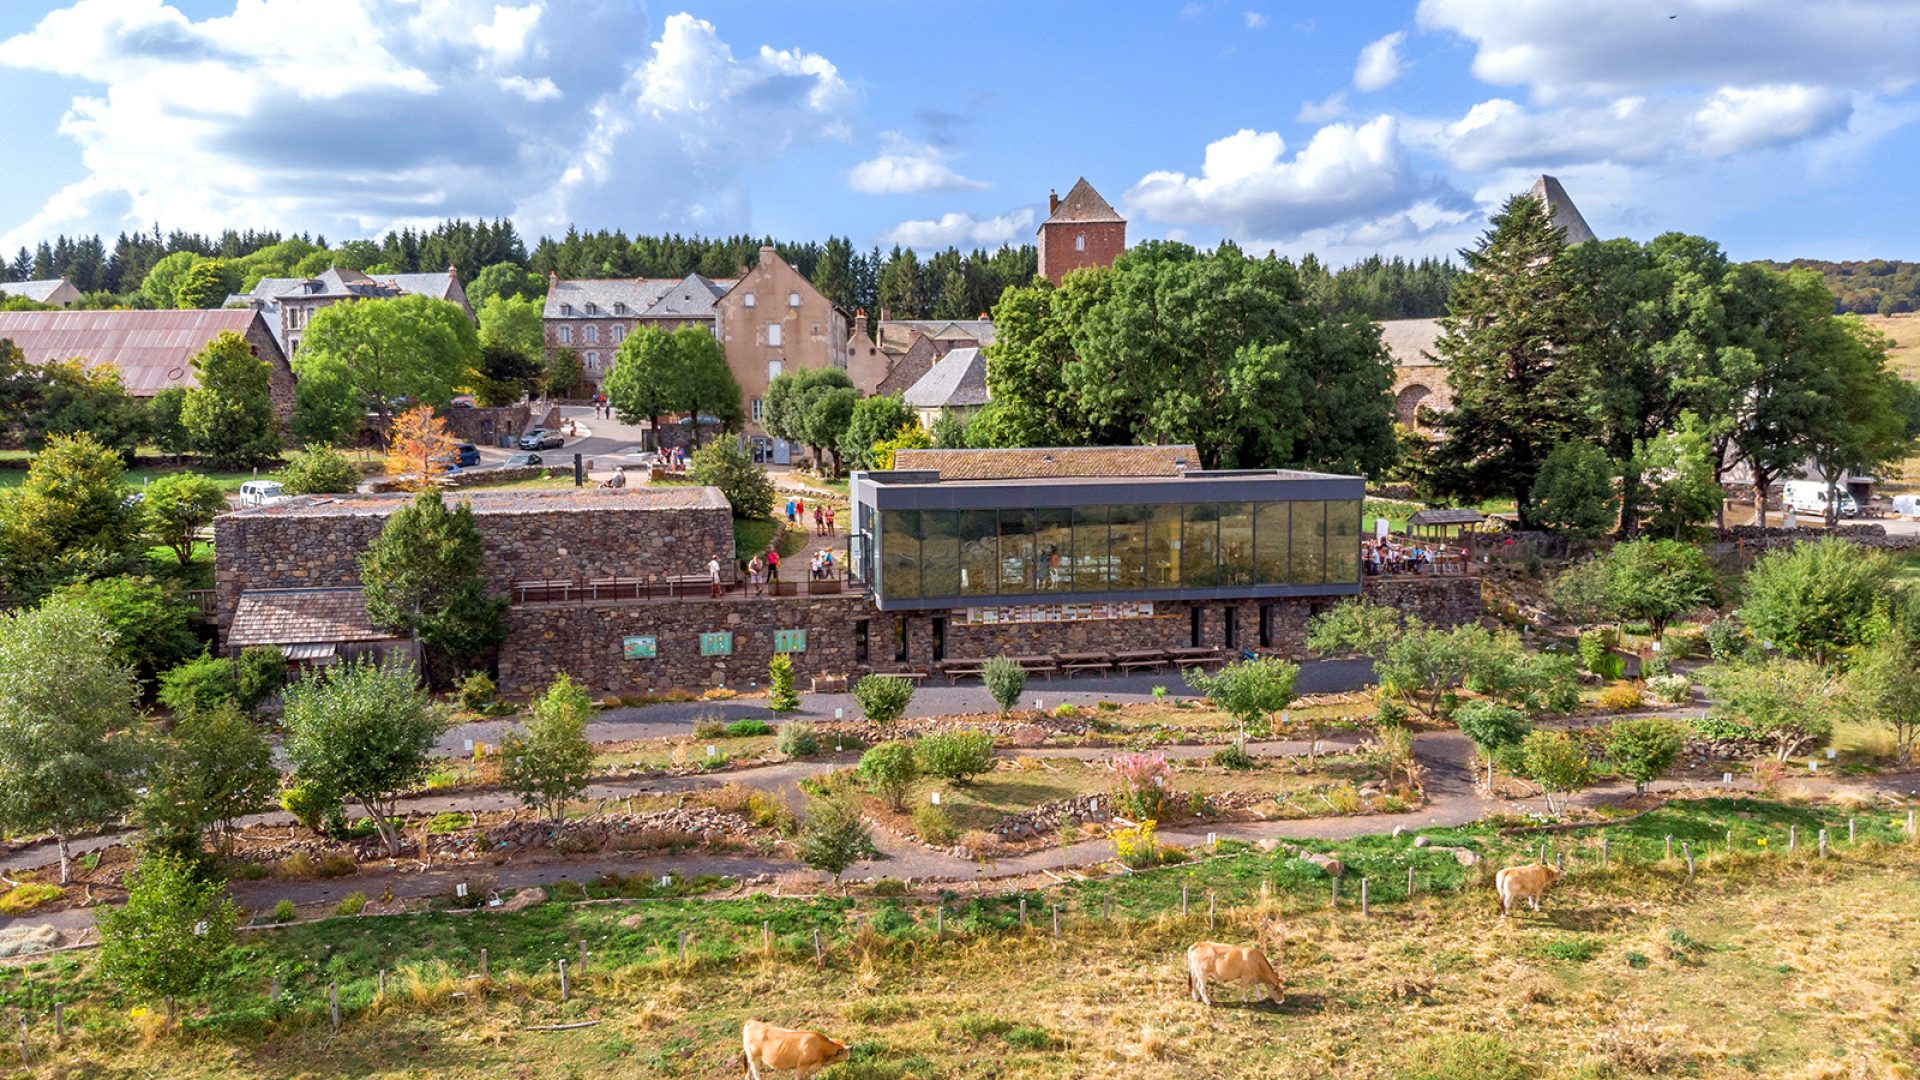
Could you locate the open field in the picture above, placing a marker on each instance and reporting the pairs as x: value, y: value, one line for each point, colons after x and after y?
x: 1905, y: 360
x: 1752, y: 969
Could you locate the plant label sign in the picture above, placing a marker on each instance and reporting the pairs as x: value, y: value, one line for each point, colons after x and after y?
x: 460, y: 890
x: 639, y: 648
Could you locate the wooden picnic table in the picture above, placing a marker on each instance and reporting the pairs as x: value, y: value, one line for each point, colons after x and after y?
x: 1038, y: 664
x: 1200, y: 656
x: 1129, y: 659
x: 915, y: 677
x: 955, y: 670
x: 1085, y: 661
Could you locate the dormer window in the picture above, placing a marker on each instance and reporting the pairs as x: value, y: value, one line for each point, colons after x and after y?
x: 793, y: 299
x: 593, y: 309
x: 620, y: 307
x: 566, y: 309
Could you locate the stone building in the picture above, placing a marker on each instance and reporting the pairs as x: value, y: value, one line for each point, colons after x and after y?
x: 152, y: 350
x: 592, y: 316
x: 772, y: 321
x: 289, y: 303
x: 901, y: 351
x: 1081, y: 230
x: 956, y: 385
x: 56, y: 291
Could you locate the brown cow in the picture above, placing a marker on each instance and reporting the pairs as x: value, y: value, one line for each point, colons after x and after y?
x: 805, y: 1052
x: 1242, y: 965
x: 1527, y: 883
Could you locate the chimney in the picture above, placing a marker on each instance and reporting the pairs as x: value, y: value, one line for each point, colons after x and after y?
x: 1053, y: 201
x: 553, y: 280
x: 860, y: 322
x: 453, y: 272
x: 883, y: 316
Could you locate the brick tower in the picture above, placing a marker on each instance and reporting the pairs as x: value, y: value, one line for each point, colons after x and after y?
x: 1081, y: 230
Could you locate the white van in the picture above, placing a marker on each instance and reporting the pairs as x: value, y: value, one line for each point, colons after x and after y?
x: 262, y: 493
x: 1810, y: 497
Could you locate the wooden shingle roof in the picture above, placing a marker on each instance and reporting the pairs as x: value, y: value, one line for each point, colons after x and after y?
x: 302, y: 616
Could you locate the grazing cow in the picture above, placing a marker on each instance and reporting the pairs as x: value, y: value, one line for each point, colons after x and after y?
x: 1242, y: 965
x: 1527, y: 883
x: 805, y: 1052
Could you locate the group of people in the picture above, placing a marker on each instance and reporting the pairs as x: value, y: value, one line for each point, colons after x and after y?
x: 1390, y: 557
x: 673, y: 459
x: 822, y: 516
x: 822, y: 565
x: 761, y: 571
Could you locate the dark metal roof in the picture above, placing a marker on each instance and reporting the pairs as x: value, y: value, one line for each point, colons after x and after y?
x: 152, y: 350
x: 1447, y: 516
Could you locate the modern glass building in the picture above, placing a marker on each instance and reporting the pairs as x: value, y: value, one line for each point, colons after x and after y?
x: 924, y: 538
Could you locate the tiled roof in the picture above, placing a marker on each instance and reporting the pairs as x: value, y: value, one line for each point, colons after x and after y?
x: 897, y: 334
x: 665, y: 497
x: 569, y: 298
x: 1411, y: 341
x: 36, y: 291
x: 1037, y: 464
x: 958, y: 380
x: 151, y: 349
x: 301, y: 616
x: 1561, y: 209
x: 1083, y: 204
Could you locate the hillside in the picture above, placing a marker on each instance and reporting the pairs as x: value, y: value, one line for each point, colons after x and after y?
x: 1865, y: 287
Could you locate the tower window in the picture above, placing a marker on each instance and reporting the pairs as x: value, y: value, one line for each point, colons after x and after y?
x: 1079, y: 241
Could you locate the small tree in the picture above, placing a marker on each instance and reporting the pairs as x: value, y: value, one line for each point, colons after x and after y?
x: 1494, y: 727
x: 1574, y: 490
x: 177, y: 507
x: 833, y: 836
x: 215, y: 769
x: 419, y: 449
x: 889, y: 770
x: 781, y: 695
x: 554, y: 760
x: 206, y: 683
x: 173, y: 934
x: 1005, y: 680
x: 422, y: 576
x: 1355, y: 627
x: 1788, y: 704
x: 320, y: 470
x: 363, y: 730
x: 1647, y: 580
x: 150, y: 625
x: 1643, y: 748
x: 728, y: 465
x: 874, y: 420
x: 563, y: 373
x: 1816, y: 599
x: 1554, y: 761
x: 1880, y: 688
x: 69, y: 521
x: 258, y: 675
x: 1251, y: 690
x: 911, y: 436
x: 229, y: 416
x: 882, y: 698
x: 955, y: 755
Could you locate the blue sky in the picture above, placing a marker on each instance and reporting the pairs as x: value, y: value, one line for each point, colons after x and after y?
x: 1779, y: 127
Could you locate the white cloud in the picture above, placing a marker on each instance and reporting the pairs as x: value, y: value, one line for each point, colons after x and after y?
x: 390, y: 112
x: 1333, y: 107
x: 959, y: 229
x: 1379, y: 63
x: 1736, y: 120
x: 1192, y: 9
x: 1255, y: 20
x: 1248, y: 188
x: 905, y: 167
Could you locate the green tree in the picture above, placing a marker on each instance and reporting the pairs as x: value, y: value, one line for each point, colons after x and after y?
x: 1881, y: 680
x: 177, y: 507
x: 1779, y: 388
x: 1657, y: 581
x: 889, y: 771
x: 1686, y: 494
x: 1555, y: 761
x: 812, y: 407
x: 882, y: 698
x: 66, y: 762
x: 1872, y: 415
x: 73, y: 399
x: 1816, y: 599
x: 684, y: 372
x: 505, y: 280
x: 364, y: 731
x: 506, y: 375
x: 1644, y: 747
x: 422, y: 576
x: 161, y: 287
x: 727, y: 464
x: 1356, y: 627
x: 174, y: 934
x: 1573, y: 491
x: 911, y: 436
x: 148, y: 623
x: 781, y: 695
x: 229, y: 415
x: 320, y: 470
x: 1034, y: 327
x: 372, y: 355
x: 164, y: 426
x: 833, y: 273
x: 513, y: 323
x: 1005, y: 680
x: 1251, y: 691
x: 1788, y: 704
x: 954, y: 755
x: 833, y: 836
x: 949, y: 431
x: 553, y: 761
x: 69, y: 521
x: 874, y: 421
x: 215, y: 769
x: 207, y: 284
x: 563, y: 373
x: 211, y: 683
x: 1497, y: 729
x: 1510, y: 344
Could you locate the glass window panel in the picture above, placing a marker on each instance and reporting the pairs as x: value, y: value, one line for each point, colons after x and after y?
x: 1163, y: 547
x: 1016, y: 552
x: 1201, y: 551
x: 1053, y: 549
x: 1090, y: 555
x: 1127, y: 557
x: 1270, y: 543
x: 900, y: 554
x: 979, y: 558
x: 939, y: 553
x: 1309, y: 543
x: 1343, y: 541
x: 1236, y: 543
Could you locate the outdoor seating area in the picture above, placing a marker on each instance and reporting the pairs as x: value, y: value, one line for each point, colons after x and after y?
x: 669, y: 587
x: 1071, y: 664
x: 1437, y: 541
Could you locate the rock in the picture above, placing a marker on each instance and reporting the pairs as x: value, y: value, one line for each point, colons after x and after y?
x: 25, y: 940
x: 1331, y: 866
x: 1421, y: 841
x: 1269, y: 846
x: 1465, y: 857
x: 1397, y: 830
x: 526, y: 898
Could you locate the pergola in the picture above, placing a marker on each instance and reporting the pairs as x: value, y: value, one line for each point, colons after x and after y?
x: 1454, y: 523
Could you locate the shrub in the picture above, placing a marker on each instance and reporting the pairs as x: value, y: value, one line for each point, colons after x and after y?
x: 1556, y: 762
x: 1620, y: 698
x: 1159, y: 693
x: 1005, y: 681
x: 727, y: 464
x: 1144, y: 784
x: 883, y: 698
x: 889, y: 772
x: 1726, y: 640
x: 709, y: 727
x: 1672, y: 689
x: 338, y: 864
x: 748, y: 725
x: 718, y: 693
x: 955, y: 755
x: 351, y: 904
x: 1656, y: 666
x: 285, y: 912
x: 1065, y: 711
x: 833, y: 837
x: 1644, y: 748
x: 781, y: 695
x: 1233, y: 757
x: 934, y: 825
x: 476, y: 692
x: 322, y: 470
x: 448, y: 821
x: 797, y: 740
x: 315, y: 808
x: 1677, y: 646
x: 1596, y: 651
x: 1720, y: 727
x: 1139, y: 846
x: 23, y: 898
x: 202, y: 684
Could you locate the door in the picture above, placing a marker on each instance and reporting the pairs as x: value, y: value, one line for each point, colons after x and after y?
x: 939, y: 638
x: 782, y: 452
x: 1193, y: 621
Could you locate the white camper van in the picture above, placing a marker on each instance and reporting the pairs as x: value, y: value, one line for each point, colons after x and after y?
x: 262, y: 493
x: 1810, y: 497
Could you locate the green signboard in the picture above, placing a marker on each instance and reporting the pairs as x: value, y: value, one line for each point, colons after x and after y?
x: 718, y: 643
x: 639, y: 648
x: 789, y: 641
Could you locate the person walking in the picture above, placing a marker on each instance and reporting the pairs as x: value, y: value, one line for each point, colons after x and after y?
x: 713, y: 577
x: 789, y: 511
x: 773, y: 566
x: 829, y: 521
x: 756, y: 574
x: 819, y: 521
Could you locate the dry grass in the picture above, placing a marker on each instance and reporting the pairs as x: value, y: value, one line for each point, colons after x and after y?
x: 1904, y: 330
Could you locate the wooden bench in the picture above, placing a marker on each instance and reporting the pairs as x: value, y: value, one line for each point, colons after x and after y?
x: 1087, y: 661
x: 535, y: 592
x: 1139, y: 658
x: 955, y: 670
x: 1038, y: 665
x: 1193, y: 657
x: 915, y: 677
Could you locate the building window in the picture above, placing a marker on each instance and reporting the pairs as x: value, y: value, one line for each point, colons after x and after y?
x: 774, y: 367
x: 1079, y: 241
x: 620, y: 307
x: 566, y: 309
x: 939, y: 638
x: 756, y: 410
x: 773, y: 334
x: 619, y: 333
x: 748, y: 300
x: 593, y: 309
x: 591, y: 335
x: 1193, y: 625
x: 793, y: 299
x: 593, y: 361
x: 564, y: 335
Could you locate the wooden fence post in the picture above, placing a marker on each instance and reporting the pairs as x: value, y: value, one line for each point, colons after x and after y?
x: 1729, y: 841
x: 1336, y: 893
x: 683, y: 948
x: 1850, y: 832
x: 1056, y: 920
x: 1106, y: 908
x: 1688, y: 848
x: 819, y: 954
x: 1793, y: 838
x: 1669, y: 846
x: 1603, y: 852
x: 1023, y: 913
x: 1823, y: 843
x: 940, y: 922
x: 1560, y: 861
x: 766, y: 936
x: 1409, y: 882
x: 1543, y: 853
x: 59, y: 1020
x: 583, y: 955
x: 483, y: 964
x: 333, y: 1002
x: 563, y: 982
x: 383, y: 982
x: 1211, y: 898
x: 1364, y: 911
x: 1183, y: 899
x: 274, y: 993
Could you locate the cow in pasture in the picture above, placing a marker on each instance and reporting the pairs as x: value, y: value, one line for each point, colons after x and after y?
x: 805, y: 1052
x: 1527, y: 883
x: 1241, y: 965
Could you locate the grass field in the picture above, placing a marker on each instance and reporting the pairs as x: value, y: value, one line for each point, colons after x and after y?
x: 1753, y: 969
x: 1904, y: 330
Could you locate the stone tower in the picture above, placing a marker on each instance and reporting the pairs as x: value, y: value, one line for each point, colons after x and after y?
x: 1081, y: 230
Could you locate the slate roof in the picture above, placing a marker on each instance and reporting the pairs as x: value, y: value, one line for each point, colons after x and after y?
x: 690, y: 297
x: 1082, y: 205
x: 958, y: 380
x: 1561, y: 209
x: 36, y: 291
x: 1447, y: 516
x: 1411, y: 341
x: 301, y: 616
x: 1044, y: 463
x: 151, y: 349
x: 675, y: 497
x: 897, y: 334
x: 439, y: 286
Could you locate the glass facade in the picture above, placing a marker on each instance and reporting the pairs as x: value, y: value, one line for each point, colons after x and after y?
x: 1106, y: 549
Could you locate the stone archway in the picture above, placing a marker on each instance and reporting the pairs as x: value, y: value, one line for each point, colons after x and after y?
x: 1406, y: 404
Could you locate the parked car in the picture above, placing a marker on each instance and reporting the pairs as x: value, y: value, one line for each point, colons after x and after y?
x: 520, y: 460
x: 541, y: 439
x: 467, y: 455
x: 262, y: 493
